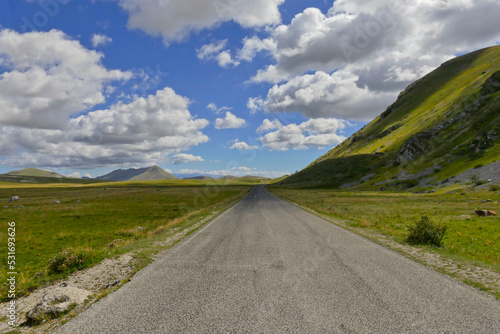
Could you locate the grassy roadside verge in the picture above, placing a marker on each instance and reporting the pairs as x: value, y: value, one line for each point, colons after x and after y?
x: 93, y: 223
x: 470, y: 244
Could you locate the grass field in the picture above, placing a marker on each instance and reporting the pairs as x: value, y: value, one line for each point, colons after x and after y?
x: 474, y: 241
x: 89, y: 218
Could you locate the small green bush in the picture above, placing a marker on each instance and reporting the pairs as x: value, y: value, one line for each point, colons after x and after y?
x: 464, y: 150
x: 408, y: 183
x: 68, y: 260
x: 424, y: 232
x: 475, y: 179
x: 494, y: 187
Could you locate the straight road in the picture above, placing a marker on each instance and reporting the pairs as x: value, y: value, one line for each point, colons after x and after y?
x: 266, y: 266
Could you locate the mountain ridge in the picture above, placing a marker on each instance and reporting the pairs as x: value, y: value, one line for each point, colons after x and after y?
x: 443, y: 124
x: 138, y: 174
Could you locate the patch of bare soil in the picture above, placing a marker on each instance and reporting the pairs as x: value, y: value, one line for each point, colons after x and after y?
x: 81, y: 288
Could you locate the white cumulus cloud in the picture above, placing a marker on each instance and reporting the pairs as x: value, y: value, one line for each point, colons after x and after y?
x: 231, y: 121
x: 209, y: 51
x: 254, y: 45
x: 251, y: 46
x: 215, y: 51
x: 313, y: 133
x: 322, y: 95
x: 190, y: 171
x: 242, y: 169
x: 176, y: 19
x: 213, y: 107
x: 183, y: 158
x: 225, y: 59
x: 255, y: 104
x: 146, y: 130
x: 48, y: 78
x: 268, y: 125
x: 100, y: 40
x: 242, y: 146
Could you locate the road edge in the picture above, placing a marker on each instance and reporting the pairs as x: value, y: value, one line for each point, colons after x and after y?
x: 418, y: 255
x: 171, y: 243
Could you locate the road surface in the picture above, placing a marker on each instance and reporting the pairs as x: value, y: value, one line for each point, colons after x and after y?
x: 265, y: 266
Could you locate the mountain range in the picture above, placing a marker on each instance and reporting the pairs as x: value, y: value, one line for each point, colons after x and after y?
x: 34, y: 175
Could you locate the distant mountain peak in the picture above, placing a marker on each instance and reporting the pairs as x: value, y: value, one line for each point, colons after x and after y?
x: 138, y: 174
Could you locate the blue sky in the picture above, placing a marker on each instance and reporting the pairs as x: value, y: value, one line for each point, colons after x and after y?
x: 211, y: 87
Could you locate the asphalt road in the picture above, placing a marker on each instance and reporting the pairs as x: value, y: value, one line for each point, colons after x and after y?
x: 265, y: 266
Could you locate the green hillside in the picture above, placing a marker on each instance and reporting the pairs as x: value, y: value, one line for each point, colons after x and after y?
x: 34, y: 172
x: 441, y: 125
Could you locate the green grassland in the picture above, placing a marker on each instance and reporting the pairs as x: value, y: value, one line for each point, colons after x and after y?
x: 473, y: 241
x: 90, y: 217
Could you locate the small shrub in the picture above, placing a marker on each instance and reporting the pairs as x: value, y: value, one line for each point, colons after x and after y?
x: 494, y: 187
x: 474, y: 178
x: 67, y: 260
x: 409, y: 183
x: 424, y: 232
x: 478, y: 166
x: 464, y: 150
x: 115, y: 243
